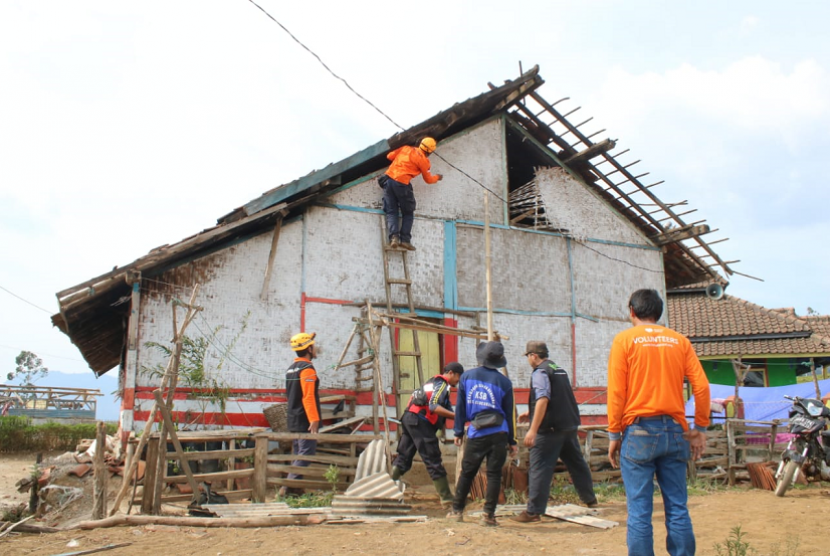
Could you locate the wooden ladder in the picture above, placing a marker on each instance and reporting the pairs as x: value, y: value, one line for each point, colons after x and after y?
x: 406, y: 282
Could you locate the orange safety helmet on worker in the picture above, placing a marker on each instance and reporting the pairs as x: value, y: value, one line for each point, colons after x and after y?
x: 408, y: 162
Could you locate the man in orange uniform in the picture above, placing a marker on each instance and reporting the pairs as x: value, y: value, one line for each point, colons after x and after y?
x: 407, y: 163
x: 647, y: 423
x: 302, y: 389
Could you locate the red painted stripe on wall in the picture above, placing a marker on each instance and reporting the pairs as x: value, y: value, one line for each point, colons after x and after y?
x: 450, y: 342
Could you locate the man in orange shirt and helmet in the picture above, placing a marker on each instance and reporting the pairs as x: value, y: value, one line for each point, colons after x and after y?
x: 407, y: 163
x: 302, y: 390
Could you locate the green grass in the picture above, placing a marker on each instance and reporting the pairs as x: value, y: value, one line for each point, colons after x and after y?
x: 317, y: 499
x: 17, y: 434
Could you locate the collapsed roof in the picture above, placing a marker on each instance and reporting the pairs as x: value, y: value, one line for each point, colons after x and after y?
x: 94, y: 313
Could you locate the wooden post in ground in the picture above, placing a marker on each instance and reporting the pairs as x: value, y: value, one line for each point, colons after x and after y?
x: 150, y: 472
x: 99, y: 492
x: 259, y: 484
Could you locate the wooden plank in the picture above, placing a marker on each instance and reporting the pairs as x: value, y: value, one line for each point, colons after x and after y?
x: 305, y: 483
x: 312, y: 471
x: 150, y: 469
x: 340, y: 461
x: 210, y: 477
x: 313, y: 179
x: 229, y: 494
x: 330, y: 438
x: 341, y: 424
x: 272, y: 255
x: 220, y: 454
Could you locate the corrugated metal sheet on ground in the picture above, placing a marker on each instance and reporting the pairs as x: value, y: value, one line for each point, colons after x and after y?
x: 372, y: 460
x: 379, y: 485
x: 349, y: 506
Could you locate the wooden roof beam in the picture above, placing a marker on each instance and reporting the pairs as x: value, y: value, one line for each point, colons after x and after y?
x: 679, y: 234
x: 593, y: 151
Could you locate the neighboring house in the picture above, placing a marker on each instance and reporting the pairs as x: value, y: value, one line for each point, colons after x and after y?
x: 778, y: 344
x: 579, y: 234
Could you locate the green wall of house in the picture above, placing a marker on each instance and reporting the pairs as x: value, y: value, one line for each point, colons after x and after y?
x: 779, y: 372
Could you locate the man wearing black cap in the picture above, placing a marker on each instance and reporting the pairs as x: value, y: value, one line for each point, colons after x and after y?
x: 554, y: 419
x: 428, y: 407
x: 485, y: 399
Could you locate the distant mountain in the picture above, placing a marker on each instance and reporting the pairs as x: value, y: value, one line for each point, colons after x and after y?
x: 108, y: 405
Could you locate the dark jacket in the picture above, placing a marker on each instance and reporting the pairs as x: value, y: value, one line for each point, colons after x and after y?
x: 302, y: 389
x: 562, y: 412
x: 485, y: 390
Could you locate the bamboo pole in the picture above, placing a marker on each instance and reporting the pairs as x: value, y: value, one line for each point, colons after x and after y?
x: 487, y: 267
x: 815, y: 377
x: 380, y: 392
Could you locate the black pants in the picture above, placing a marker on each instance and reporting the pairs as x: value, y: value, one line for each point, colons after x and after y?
x: 546, y: 450
x: 418, y: 435
x: 397, y: 196
x: 494, y: 448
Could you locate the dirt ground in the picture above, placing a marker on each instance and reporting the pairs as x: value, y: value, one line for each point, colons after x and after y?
x: 771, y: 526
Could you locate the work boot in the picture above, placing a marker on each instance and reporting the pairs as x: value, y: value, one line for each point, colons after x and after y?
x: 526, y: 517
x: 408, y: 246
x: 455, y: 515
x: 396, y: 473
x: 489, y: 520
x: 394, y: 243
x: 442, y: 487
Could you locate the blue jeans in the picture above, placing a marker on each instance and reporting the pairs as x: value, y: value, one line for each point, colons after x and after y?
x: 655, y: 446
x: 397, y: 195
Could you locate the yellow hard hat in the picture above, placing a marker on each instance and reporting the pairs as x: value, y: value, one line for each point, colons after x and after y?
x: 427, y: 144
x: 302, y: 341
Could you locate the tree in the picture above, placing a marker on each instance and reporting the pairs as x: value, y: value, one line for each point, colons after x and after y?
x: 29, y: 368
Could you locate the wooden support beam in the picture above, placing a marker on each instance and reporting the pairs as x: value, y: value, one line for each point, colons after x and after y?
x: 591, y: 152
x: 272, y: 255
x: 679, y: 234
x: 259, y: 484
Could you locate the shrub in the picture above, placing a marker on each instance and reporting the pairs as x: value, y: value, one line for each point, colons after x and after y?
x: 18, y: 434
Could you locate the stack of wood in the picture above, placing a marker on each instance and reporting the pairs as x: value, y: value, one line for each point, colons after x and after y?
x: 761, y: 475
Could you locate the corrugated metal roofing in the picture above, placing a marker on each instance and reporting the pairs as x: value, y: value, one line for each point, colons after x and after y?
x: 371, y: 461
x: 379, y: 486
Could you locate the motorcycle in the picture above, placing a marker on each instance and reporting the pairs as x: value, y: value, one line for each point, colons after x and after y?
x: 809, y: 449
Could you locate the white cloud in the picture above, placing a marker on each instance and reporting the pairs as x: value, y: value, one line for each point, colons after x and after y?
x: 753, y: 93
x: 748, y: 24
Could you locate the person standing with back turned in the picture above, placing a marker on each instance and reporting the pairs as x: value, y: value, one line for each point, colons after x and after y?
x: 485, y: 399
x: 647, y: 424
x: 407, y: 163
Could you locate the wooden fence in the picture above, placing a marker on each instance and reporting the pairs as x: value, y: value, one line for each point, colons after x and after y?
x: 47, y: 402
x: 246, y: 463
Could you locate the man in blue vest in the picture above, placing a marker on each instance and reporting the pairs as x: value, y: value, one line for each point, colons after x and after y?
x: 485, y: 399
x: 554, y: 420
x: 428, y: 407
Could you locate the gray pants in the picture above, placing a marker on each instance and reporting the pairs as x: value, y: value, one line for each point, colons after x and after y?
x: 546, y: 450
x: 302, y: 448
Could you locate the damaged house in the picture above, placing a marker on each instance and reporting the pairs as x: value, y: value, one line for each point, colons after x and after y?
x: 308, y: 254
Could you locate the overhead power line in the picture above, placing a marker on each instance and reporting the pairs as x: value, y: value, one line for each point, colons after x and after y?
x: 370, y: 103
x: 25, y: 300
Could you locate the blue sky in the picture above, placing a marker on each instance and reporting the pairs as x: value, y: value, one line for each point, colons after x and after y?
x: 125, y: 126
